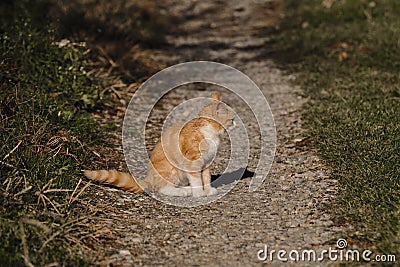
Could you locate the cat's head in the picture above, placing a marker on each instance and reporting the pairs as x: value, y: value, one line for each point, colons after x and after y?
x: 219, y: 112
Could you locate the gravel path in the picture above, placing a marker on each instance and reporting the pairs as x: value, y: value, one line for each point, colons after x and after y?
x: 285, y: 212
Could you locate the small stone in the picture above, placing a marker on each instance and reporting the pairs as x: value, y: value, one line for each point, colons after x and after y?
x: 124, y: 253
x: 136, y: 240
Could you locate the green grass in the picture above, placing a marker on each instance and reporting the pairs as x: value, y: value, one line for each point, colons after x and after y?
x: 46, y: 130
x: 347, y: 59
x: 44, y: 143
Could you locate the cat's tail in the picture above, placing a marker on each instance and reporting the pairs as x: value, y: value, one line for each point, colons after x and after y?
x: 122, y: 180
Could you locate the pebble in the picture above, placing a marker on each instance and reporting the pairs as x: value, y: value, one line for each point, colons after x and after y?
x: 124, y: 253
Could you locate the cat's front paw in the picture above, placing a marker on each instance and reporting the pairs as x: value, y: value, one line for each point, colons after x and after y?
x: 211, y: 191
x: 186, y: 191
x: 198, y: 192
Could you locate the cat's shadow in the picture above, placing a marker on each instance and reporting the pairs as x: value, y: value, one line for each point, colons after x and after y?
x: 232, y: 177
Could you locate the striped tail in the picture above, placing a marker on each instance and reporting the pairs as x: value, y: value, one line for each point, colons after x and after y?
x: 119, y: 179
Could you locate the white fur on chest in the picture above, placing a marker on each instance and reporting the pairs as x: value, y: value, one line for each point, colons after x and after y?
x: 211, y: 136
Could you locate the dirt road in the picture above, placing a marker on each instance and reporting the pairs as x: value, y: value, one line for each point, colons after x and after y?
x: 286, y: 210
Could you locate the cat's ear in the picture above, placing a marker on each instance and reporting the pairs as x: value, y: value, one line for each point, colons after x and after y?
x: 220, y: 109
x: 215, y: 96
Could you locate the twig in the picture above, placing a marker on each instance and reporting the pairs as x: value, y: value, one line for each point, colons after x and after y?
x: 7, y: 164
x: 116, y: 92
x: 97, y: 154
x: 48, y: 240
x: 48, y: 184
x: 65, y: 228
x: 80, y: 192
x: 40, y: 197
x: 9, y: 153
x: 37, y: 224
x: 110, y: 61
x: 51, y: 203
x: 57, y: 190
x: 23, y: 191
x: 25, y: 256
x: 77, y: 242
x: 76, y: 188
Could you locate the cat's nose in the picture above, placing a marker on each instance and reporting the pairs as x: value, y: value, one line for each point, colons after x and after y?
x: 230, y: 127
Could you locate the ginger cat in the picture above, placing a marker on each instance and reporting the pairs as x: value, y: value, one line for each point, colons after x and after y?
x: 179, y: 165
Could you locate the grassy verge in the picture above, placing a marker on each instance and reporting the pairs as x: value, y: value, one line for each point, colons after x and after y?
x: 47, y: 91
x: 346, y: 55
x: 45, y: 141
